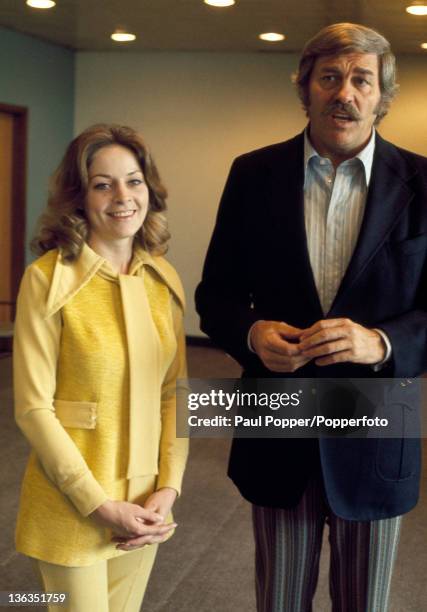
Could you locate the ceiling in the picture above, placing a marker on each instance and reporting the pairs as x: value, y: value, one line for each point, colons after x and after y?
x: 191, y: 25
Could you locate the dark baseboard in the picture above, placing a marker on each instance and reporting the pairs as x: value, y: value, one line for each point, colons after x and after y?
x: 6, y: 346
x: 199, y: 341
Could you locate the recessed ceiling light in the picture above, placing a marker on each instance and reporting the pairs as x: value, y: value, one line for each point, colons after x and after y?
x: 220, y: 2
x: 272, y: 36
x: 42, y: 4
x: 121, y: 35
x: 417, y: 8
x: 423, y: 45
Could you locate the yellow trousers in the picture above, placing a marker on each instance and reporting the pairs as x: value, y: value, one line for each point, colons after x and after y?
x: 112, y: 585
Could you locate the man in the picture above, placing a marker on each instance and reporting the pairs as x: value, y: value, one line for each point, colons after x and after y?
x: 317, y: 268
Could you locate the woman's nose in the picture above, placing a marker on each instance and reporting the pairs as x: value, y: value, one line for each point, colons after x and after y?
x: 121, y: 193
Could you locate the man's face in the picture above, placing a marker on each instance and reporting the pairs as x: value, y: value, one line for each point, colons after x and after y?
x: 344, y: 94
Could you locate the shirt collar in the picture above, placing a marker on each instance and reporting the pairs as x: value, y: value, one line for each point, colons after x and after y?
x: 68, y: 279
x: 366, y: 155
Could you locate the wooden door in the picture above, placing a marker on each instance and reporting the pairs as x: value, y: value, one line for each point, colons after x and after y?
x: 12, y: 206
x: 6, y: 169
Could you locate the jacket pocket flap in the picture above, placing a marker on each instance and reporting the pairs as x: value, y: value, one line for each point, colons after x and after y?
x: 81, y: 415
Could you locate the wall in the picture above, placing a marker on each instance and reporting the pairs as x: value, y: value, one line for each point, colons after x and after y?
x: 407, y: 123
x: 39, y: 76
x: 199, y: 110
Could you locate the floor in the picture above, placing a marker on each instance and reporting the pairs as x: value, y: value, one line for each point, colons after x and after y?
x: 208, y: 565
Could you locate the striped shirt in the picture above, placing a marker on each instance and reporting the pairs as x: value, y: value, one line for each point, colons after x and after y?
x: 334, y: 204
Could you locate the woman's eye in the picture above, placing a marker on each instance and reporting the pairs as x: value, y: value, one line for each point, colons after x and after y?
x: 136, y: 182
x: 102, y: 186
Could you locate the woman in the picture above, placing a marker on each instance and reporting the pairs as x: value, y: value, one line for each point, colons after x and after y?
x: 99, y: 346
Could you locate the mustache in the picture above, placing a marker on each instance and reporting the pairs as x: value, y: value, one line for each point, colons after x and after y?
x: 345, y: 107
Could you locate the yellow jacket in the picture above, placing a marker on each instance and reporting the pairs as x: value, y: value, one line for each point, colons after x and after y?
x: 60, y: 360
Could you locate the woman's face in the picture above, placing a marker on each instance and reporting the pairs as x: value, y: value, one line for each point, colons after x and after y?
x: 117, y: 196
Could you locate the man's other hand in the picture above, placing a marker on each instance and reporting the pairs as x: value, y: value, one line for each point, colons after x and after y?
x: 275, y: 343
x: 332, y: 341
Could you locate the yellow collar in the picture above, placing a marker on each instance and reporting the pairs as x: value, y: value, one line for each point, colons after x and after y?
x: 69, y: 278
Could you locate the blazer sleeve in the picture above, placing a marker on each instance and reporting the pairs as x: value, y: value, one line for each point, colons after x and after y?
x: 223, y: 298
x: 173, y: 450
x: 408, y: 337
x: 35, y: 355
x: 407, y: 332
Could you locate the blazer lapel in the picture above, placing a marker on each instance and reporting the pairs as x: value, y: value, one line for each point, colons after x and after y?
x: 288, y: 227
x: 388, y: 195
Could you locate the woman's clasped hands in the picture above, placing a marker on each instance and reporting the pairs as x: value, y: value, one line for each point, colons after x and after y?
x: 134, y: 526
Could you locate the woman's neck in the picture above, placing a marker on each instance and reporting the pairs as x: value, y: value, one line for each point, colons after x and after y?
x: 118, y: 254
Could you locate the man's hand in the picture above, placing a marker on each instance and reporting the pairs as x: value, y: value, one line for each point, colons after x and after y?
x: 332, y: 341
x: 276, y: 345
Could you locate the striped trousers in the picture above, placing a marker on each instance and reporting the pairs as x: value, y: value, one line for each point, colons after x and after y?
x: 287, y: 553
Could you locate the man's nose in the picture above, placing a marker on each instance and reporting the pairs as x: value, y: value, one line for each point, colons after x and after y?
x: 345, y: 93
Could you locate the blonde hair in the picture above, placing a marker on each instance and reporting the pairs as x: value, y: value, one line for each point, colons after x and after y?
x: 64, y: 225
x: 340, y: 38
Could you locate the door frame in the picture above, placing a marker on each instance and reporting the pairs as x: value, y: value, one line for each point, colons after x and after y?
x: 19, y: 180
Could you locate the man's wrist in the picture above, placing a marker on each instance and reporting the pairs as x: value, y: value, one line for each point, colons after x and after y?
x: 387, y: 350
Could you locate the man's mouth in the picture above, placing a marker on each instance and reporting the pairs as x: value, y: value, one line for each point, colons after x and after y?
x: 342, y: 117
x: 121, y: 214
x: 342, y: 113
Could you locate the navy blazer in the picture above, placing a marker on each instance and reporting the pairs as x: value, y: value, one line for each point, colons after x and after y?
x: 258, y: 267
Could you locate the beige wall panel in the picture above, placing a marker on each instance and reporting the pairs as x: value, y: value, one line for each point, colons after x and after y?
x: 406, y: 124
x: 199, y: 110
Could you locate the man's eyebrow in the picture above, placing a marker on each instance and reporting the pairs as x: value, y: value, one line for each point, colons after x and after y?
x: 336, y: 70
x: 361, y: 70
x: 330, y: 69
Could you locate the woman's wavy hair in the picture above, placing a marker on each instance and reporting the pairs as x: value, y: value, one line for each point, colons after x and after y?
x: 340, y: 38
x: 64, y: 225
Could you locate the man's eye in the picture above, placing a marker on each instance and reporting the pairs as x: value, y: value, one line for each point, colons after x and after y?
x: 329, y: 80
x: 361, y: 81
